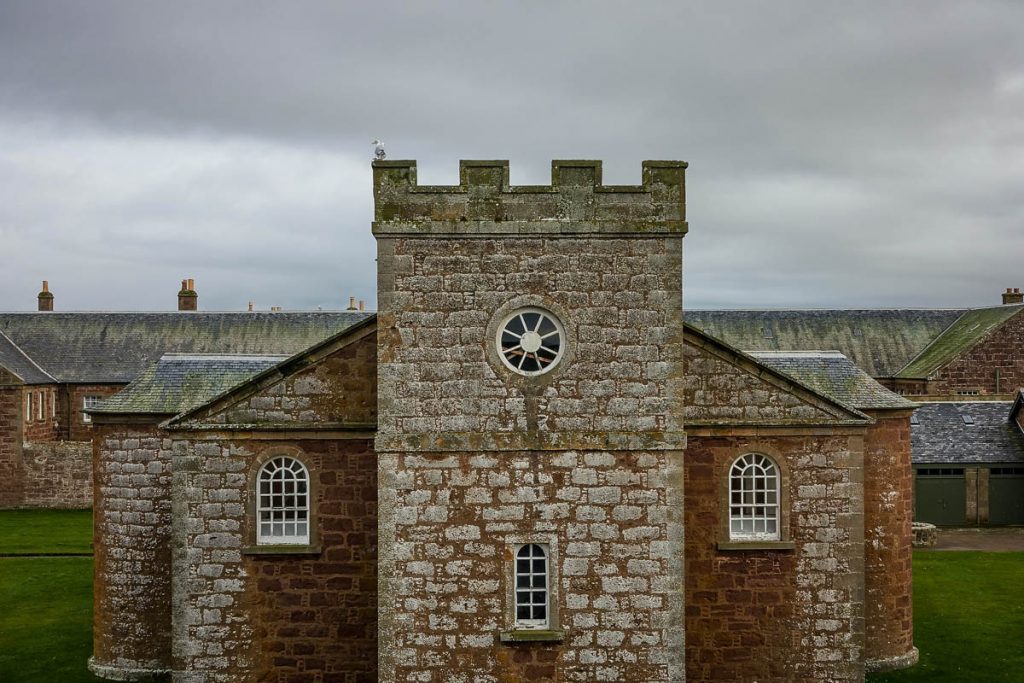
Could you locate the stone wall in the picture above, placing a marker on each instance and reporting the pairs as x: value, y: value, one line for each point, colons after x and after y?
x: 45, y: 428
x: 342, y: 388
x: 995, y: 365
x: 240, y: 615
x: 12, y: 470
x: 132, y: 551
x: 457, y: 518
x: 77, y: 428
x: 773, y: 614
x: 57, y: 474
x: 888, y: 512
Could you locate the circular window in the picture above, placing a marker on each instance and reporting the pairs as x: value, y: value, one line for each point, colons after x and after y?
x: 530, y: 341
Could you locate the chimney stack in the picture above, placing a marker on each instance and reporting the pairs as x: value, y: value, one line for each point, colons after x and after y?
x: 351, y: 304
x: 1010, y: 296
x: 45, y: 297
x: 188, y: 300
x: 362, y: 305
x: 251, y: 305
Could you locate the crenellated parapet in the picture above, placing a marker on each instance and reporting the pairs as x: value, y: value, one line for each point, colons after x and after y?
x: 575, y: 203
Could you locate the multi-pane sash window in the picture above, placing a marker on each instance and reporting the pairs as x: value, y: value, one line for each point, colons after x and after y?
x: 754, y: 498
x: 28, y: 406
x: 282, y: 505
x: 41, y: 406
x: 87, y: 403
x: 532, y: 592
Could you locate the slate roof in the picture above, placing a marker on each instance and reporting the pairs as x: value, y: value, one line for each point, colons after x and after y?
x: 967, y: 331
x: 178, y: 382
x: 881, y: 341
x: 95, y: 348
x: 14, y: 359
x: 833, y: 374
x: 941, y: 435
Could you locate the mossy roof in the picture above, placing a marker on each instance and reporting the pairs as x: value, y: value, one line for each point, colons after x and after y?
x: 833, y: 374
x: 178, y: 382
x: 964, y: 333
x: 14, y: 360
x: 941, y: 434
x: 97, y: 348
x: 880, y: 341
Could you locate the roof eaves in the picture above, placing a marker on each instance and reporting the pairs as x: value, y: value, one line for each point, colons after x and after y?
x: 28, y: 358
x: 935, y: 356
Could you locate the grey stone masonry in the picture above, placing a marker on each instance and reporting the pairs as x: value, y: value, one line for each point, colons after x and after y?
x: 474, y: 458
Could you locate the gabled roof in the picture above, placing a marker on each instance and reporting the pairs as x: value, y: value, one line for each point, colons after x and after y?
x: 14, y: 360
x: 827, y: 409
x: 195, y: 415
x: 96, y: 348
x: 881, y: 341
x: 178, y: 382
x: 967, y: 331
x: 942, y: 435
x: 833, y: 374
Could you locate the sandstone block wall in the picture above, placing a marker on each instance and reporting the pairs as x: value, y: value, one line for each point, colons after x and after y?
x: 41, y: 429
x: 132, y: 550
x: 57, y: 474
x: 77, y: 429
x: 768, y: 614
x: 888, y: 513
x: 456, y: 520
x: 12, y: 470
x: 994, y: 366
x: 240, y: 616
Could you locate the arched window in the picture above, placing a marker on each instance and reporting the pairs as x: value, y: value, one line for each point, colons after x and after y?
x: 754, y: 498
x: 282, y: 502
x: 532, y: 586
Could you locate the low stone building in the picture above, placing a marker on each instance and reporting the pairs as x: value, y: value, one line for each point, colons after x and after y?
x: 485, y: 480
x: 53, y: 366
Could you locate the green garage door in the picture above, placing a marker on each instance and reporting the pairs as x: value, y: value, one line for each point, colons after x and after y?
x: 1006, y: 495
x: 940, y: 496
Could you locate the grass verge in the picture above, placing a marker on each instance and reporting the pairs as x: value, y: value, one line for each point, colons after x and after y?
x: 45, y: 619
x: 28, y: 532
x: 968, y: 618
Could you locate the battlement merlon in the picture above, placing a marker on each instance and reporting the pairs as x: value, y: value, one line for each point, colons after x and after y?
x: 483, y: 202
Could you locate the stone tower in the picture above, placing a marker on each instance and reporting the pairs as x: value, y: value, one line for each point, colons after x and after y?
x: 529, y: 440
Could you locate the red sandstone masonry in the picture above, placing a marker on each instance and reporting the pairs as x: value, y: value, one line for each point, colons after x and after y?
x: 888, y: 499
x: 78, y: 429
x: 12, y: 471
x: 58, y: 474
x: 242, y: 617
x: 1001, y: 350
x: 776, y: 615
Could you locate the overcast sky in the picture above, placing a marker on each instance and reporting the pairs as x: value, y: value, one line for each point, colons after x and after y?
x: 841, y: 154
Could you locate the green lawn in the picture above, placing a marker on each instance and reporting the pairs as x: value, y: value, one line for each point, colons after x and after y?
x: 968, y: 618
x: 968, y: 607
x: 26, y: 532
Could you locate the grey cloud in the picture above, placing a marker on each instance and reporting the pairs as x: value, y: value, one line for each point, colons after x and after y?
x: 841, y: 155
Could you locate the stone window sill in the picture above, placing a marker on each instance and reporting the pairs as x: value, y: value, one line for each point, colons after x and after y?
x: 756, y: 545
x: 532, y: 636
x: 282, y: 550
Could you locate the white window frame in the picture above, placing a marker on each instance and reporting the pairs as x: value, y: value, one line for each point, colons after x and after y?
x: 286, y: 506
x: 525, y: 588
x: 754, y: 499
x: 28, y: 406
x: 532, y: 343
x: 53, y: 403
x: 89, y: 401
x: 40, y: 415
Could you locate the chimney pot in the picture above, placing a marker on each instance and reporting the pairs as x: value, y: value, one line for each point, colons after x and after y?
x: 250, y: 306
x: 188, y: 300
x: 351, y: 304
x: 362, y: 305
x: 45, y: 298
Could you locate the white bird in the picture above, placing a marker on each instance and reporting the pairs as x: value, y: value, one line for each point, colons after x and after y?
x: 378, y: 150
